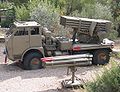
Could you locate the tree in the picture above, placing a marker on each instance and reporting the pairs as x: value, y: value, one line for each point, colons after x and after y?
x: 67, y: 6
x: 8, y: 11
x: 45, y: 14
x: 19, y: 2
x: 5, y: 5
x: 115, y: 6
x: 22, y: 13
x: 10, y: 17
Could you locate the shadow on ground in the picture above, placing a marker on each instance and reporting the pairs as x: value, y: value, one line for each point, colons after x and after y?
x: 12, y: 70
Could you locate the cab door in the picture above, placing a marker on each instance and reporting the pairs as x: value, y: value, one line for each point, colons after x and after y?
x: 35, y: 37
x: 20, y: 42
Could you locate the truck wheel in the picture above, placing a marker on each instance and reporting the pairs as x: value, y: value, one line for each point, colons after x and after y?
x: 32, y: 61
x: 101, y: 57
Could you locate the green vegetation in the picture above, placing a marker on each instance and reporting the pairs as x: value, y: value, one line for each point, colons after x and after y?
x: 47, y: 12
x: 116, y: 55
x: 96, y: 10
x: 8, y: 12
x: 108, y: 82
x: 22, y: 13
x: 115, y: 7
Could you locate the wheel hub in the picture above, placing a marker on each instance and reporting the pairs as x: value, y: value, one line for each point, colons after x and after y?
x: 102, y: 56
x: 35, y: 63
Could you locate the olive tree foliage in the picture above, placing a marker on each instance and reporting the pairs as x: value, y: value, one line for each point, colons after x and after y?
x: 72, y: 5
x: 67, y: 6
x: 97, y: 11
x: 104, y: 2
x: 45, y: 14
x: 115, y: 6
x: 7, y: 10
x: 5, y: 5
x: 33, y: 4
x: 19, y: 2
x: 22, y: 13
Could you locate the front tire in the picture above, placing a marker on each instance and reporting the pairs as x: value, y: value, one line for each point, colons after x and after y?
x: 101, y: 57
x: 32, y: 61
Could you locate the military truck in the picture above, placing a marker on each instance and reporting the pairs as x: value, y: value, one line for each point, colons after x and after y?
x: 28, y: 41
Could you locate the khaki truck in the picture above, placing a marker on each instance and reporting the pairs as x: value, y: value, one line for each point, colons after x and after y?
x: 28, y: 41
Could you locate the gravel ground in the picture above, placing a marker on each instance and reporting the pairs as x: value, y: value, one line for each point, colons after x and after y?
x: 15, y: 79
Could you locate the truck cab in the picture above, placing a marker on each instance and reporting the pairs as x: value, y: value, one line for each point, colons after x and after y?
x: 21, y: 37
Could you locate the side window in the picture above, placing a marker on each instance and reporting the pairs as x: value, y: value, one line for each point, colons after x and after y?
x: 35, y: 31
x: 21, y: 32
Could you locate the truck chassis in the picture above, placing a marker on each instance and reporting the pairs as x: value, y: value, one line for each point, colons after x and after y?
x: 29, y: 42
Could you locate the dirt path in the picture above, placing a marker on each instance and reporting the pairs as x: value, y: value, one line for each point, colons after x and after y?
x: 14, y: 79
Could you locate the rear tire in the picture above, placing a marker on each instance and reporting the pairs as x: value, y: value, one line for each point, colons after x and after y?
x: 101, y: 57
x: 32, y: 61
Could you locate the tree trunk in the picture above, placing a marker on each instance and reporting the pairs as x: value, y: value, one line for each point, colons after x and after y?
x: 69, y: 10
x: 118, y: 30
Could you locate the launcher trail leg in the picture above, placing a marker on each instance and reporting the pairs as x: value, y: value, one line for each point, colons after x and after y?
x: 74, y: 81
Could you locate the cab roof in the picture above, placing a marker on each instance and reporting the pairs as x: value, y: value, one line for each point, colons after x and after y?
x: 26, y: 24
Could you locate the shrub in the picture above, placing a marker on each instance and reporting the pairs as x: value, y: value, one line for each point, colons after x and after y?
x: 46, y: 14
x: 108, y: 82
x: 5, y: 5
x: 112, y: 35
x: 96, y: 10
x: 22, y: 13
x: 8, y: 13
x: 6, y: 23
x: 10, y: 16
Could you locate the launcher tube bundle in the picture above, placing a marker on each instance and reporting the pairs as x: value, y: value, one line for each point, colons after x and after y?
x: 85, y: 25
